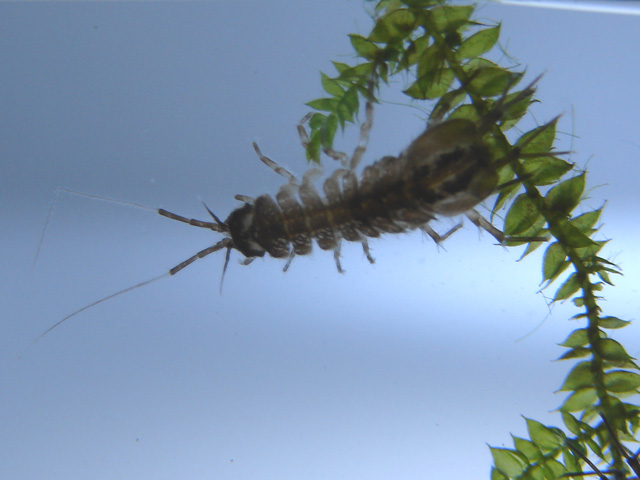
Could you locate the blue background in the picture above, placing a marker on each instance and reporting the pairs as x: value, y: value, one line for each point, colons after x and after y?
x: 405, y: 369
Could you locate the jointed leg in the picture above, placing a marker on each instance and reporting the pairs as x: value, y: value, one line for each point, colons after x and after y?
x: 436, y: 237
x: 336, y: 257
x: 274, y: 166
x: 365, y: 130
x: 244, y: 199
x: 367, y: 252
x: 484, y: 224
x: 341, y: 157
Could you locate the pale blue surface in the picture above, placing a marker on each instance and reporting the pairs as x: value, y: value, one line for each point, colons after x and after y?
x: 401, y: 370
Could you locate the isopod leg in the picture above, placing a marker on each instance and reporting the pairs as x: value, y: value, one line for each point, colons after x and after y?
x: 244, y: 199
x: 367, y: 252
x: 436, y: 237
x: 274, y: 166
x: 336, y: 257
x: 289, y: 260
x: 341, y: 157
x: 484, y: 224
x: 365, y: 130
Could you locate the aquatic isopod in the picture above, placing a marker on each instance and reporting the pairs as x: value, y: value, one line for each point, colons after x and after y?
x: 446, y: 171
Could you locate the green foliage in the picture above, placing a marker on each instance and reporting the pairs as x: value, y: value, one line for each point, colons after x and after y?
x: 437, y: 50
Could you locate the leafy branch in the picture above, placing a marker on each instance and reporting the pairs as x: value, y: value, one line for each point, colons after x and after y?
x: 437, y: 48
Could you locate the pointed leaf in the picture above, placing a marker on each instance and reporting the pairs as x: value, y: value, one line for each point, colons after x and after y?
x: 577, y: 352
x: 479, y: 43
x: 621, y: 381
x: 545, y: 170
x: 613, y: 322
x: 579, y: 400
x: 393, y: 27
x: 490, y: 81
x: 554, y: 262
x: 324, y: 104
x: 365, y: 48
x: 446, y: 19
x: 543, y: 436
x: 521, y: 215
x: 564, y: 197
x: 539, y: 140
x: 579, y: 376
x: 569, y: 287
x: 586, y: 221
x: 507, y: 461
x: 572, y: 423
x: 577, y: 338
x: 528, y: 449
x: 572, y: 237
x: 331, y: 86
x: 613, y: 351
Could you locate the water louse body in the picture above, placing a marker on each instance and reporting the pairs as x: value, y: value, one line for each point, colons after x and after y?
x: 393, y: 195
x: 446, y: 171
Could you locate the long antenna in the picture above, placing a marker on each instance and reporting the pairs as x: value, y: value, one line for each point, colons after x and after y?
x: 86, y: 307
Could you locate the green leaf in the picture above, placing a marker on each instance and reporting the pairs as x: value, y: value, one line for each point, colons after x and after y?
x: 586, y: 221
x: 440, y: 84
x: 446, y: 102
x: 365, y: 48
x: 553, y: 469
x: 331, y: 86
x: 577, y: 352
x: 613, y: 322
x: 496, y: 475
x: 507, y: 461
x: 579, y: 400
x: 430, y: 70
x: 554, y: 262
x: 570, y: 286
x: 490, y: 81
x: 393, y: 27
x: 347, y: 107
x: 620, y: 381
x: 577, y: 338
x: 613, y: 351
x: 360, y: 71
x: 579, y: 376
x: 446, y: 19
x: 313, y: 148
x: 571, y: 236
x: 539, y: 140
x: 328, y: 131
x: 544, y: 437
x: 521, y: 215
x: 479, y: 43
x: 564, y: 197
x: 324, y: 104
x: 570, y: 459
x: 341, y: 67
x: 545, y: 170
x: 528, y: 449
x: 572, y: 423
